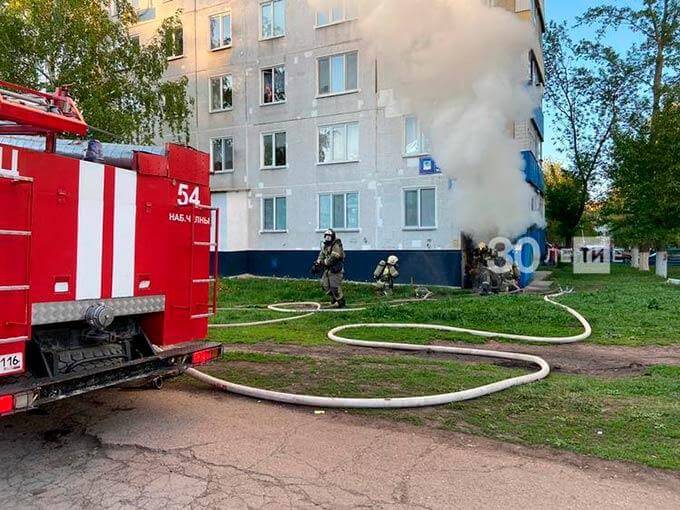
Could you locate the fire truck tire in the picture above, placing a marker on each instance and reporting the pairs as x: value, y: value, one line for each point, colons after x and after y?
x: 88, y: 358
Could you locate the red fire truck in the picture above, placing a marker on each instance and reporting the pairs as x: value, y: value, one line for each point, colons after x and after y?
x: 104, y: 256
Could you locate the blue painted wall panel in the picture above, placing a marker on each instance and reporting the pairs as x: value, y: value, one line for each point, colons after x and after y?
x: 428, y: 267
x: 532, y: 171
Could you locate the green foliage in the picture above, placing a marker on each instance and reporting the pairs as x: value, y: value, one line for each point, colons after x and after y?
x: 585, y: 89
x: 645, y: 206
x: 117, y: 83
x: 562, y: 206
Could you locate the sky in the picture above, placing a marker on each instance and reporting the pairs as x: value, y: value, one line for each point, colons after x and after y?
x: 569, y: 10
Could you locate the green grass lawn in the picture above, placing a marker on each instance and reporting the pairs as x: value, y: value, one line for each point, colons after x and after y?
x: 625, y: 308
x: 628, y: 418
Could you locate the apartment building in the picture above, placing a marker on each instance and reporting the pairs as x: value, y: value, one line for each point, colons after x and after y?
x: 289, y: 103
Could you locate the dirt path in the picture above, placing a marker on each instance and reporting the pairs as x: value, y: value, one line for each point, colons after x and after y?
x: 188, y: 447
x: 572, y: 358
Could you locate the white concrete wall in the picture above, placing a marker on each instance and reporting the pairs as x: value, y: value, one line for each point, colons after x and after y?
x: 381, y: 172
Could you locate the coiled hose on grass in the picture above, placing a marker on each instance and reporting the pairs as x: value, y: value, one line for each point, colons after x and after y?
x: 401, y: 402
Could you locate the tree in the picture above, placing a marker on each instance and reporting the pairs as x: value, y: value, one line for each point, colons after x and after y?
x: 586, y: 99
x: 658, y: 22
x: 562, y: 191
x: 645, y: 205
x: 117, y: 83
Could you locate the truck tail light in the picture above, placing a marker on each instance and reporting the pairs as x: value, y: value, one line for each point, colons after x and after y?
x: 204, y: 356
x: 6, y: 404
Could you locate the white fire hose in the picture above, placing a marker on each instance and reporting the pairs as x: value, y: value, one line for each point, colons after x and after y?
x: 401, y: 402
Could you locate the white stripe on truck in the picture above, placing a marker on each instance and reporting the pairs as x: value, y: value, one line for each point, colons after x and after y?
x: 90, y: 230
x: 124, y: 222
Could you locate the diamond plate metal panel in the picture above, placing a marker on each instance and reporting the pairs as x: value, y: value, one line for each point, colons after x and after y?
x: 52, y: 313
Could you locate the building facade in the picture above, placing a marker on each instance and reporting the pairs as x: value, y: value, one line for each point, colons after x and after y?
x: 289, y: 103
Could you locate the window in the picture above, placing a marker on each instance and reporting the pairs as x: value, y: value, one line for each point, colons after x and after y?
x: 273, y: 152
x: 339, y: 211
x: 415, y: 141
x: 220, y: 31
x: 274, y: 85
x: 535, y: 76
x: 222, y: 154
x: 174, y: 43
x: 338, y: 73
x: 273, y: 19
x: 535, y: 143
x: 339, y: 143
x: 274, y: 214
x: 336, y: 11
x: 420, y: 209
x: 220, y: 93
x: 537, y: 203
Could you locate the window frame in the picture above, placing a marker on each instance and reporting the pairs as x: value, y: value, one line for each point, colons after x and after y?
x: 344, y: 19
x: 344, y: 194
x: 231, y: 30
x: 421, y: 141
x: 343, y: 161
x: 170, y: 58
x: 274, y: 166
x: 285, y: 83
x: 224, y: 170
x: 262, y: 37
x: 274, y: 200
x: 211, y: 108
x: 420, y: 226
x: 356, y: 90
x: 535, y: 142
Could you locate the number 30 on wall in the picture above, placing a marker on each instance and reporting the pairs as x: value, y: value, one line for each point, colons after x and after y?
x: 186, y: 198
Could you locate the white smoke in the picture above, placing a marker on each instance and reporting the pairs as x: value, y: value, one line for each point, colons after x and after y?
x: 461, y: 67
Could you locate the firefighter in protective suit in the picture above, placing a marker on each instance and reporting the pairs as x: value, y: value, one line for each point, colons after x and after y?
x: 330, y: 266
x: 384, y: 275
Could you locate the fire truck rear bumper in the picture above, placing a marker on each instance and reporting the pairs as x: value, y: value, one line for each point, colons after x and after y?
x: 25, y: 392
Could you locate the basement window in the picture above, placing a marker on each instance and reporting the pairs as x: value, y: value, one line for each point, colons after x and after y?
x: 274, y: 214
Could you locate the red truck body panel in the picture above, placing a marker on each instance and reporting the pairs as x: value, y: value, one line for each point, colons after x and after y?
x: 74, y: 230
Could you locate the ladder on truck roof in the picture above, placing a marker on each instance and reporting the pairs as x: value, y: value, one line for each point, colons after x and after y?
x: 212, y: 246
x: 22, y: 288
x: 24, y: 111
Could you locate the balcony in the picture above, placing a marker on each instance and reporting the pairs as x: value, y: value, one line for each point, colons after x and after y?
x: 532, y: 171
x: 539, y: 121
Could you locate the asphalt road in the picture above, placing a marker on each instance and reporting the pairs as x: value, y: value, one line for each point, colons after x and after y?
x: 184, y: 447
